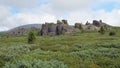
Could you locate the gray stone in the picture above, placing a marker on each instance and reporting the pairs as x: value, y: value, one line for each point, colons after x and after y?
x: 79, y: 25
x: 59, y: 29
x: 101, y: 24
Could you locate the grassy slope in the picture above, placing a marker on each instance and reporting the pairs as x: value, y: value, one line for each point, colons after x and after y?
x: 81, y: 50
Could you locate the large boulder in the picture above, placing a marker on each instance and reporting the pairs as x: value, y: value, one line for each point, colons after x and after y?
x: 48, y: 29
x: 101, y: 24
x: 96, y: 23
x: 79, y: 25
x: 52, y: 29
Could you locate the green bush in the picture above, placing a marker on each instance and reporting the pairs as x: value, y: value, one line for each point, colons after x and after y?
x: 102, y: 30
x: 112, y: 33
x: 35, y: 64
x: 31, y: 37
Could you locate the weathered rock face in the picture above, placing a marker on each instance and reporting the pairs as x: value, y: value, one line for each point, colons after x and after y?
x: 48, y: 29
x: 61, y: 27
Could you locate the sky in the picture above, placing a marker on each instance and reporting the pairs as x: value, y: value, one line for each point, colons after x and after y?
x: 15, y: 13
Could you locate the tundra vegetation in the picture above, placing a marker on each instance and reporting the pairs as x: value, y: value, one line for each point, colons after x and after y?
x: 31, y: 37
x: 102, y: 30
x: 88, y: 49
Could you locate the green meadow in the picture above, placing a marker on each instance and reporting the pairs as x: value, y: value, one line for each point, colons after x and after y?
x: 87, y: 49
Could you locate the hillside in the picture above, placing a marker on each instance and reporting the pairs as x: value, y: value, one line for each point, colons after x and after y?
x: 22, y: 30
x: 87, y: 49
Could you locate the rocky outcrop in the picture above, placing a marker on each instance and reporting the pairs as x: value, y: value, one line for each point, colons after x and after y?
x: 85, y: 27
x: 101, y: 24
x: 94, y: 26
x: 61, y: 27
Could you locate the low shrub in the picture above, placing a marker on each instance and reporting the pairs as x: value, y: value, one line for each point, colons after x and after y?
x: 31, y: 37
x: 35, y: 64
x: 112, y: 33
x: 102, y: 30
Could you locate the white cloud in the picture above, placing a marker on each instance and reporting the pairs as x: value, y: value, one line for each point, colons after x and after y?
x: 111, y: 18
x: 73, y: 10
x: 116, y: 1
x: 24, y: 18
x: 4, y: 12
x: 119, y: 12
x: 80, y: 16
x: 71, y: 4
x: 19, y: 3
x: 3, y: 28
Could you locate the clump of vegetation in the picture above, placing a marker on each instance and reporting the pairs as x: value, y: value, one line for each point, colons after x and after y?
x: 31, y: 37
x: 36, y: 64
x: 102, y: 30
x: 112, y: 33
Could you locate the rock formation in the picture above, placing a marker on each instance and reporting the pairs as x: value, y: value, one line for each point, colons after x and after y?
x: 94, y: 26
x: 61, y: 27
x: 88, y: 26
x: 101, y: 24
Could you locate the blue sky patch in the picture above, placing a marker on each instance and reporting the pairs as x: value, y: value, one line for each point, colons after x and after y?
x: 15, y: 10
x: 109, y: 6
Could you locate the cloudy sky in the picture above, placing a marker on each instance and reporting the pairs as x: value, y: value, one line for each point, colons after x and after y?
x: 19, y: 12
